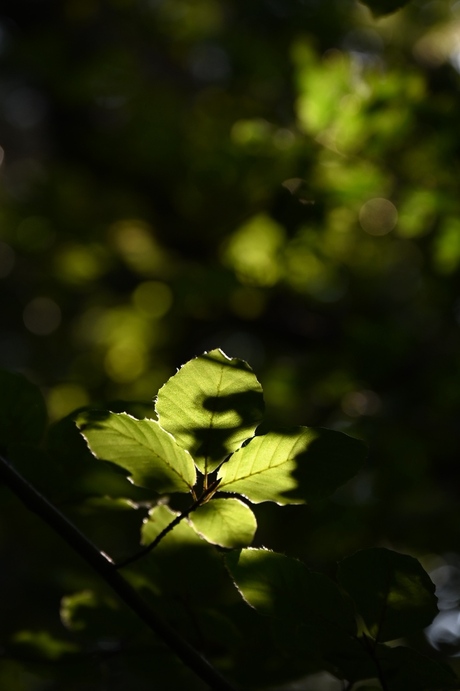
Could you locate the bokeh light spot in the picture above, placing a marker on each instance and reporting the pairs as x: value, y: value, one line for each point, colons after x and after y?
x: 247, y: 132
x: 153, y: 298
x: 357, y: 403
x: 134, y: 241
x: 64, y: 399
x: 78, y: 264
x: 253, y: 251
x: 378, y: 216
x: 41, y: 316
x: 124, y: 362
x: 447, y: 246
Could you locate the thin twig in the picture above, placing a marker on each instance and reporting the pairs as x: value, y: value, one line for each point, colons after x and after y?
x: 202, y: 499
x: 106, y: 568
x: 159, y: 537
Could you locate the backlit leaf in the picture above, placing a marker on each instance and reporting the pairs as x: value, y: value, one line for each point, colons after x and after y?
x: 211, y: 405
x: 225, y: 522
x: 151, y: 455
x: 292, y: 466
x: 392, y: 592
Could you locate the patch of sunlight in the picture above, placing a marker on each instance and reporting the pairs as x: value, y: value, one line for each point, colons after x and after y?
x: 253, y: 251
x: 134, y: 241
x: 125, y: 362
x: 446, y: 250
x: 339, y: 237
x: 152, y: 299
x: 120, y: 324
x: 389, y: 121
x: 417, y: 213
x: 349, y: 181
x: 64, y: 399
x: 249, y: 132
x: 321, y: 87
x: 349, y: 131
x: 80, y: 264
x: 439, y: 44
x: 49, y: 647
x: 305, y: 270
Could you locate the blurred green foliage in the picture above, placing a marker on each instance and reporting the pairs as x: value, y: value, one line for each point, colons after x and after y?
x: 278, y: 178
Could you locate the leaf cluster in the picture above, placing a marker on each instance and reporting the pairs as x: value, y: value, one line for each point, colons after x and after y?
x: 207, y: 444
x: 206, y: 441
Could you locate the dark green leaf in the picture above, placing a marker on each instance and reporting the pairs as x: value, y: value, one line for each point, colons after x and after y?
x: 284, y: 588
x: 22, y: 410
x: 292, y: 466
x: 404, y: 668
x: 211, y: 406
x: 310, y: 617
x: 392, y: 592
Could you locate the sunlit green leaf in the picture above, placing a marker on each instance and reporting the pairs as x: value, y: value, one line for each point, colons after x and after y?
x: 142, y: 447
x: 392, y: 592
x: 225, y: 522
x: 22, y: 410
x: 382, y: 7
x: 211, y: 405
x: 292, y: 466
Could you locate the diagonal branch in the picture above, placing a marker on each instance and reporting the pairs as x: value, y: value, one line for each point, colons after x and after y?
x: 106, y: 568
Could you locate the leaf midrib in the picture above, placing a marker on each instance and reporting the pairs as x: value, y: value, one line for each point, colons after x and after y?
x: 263, y: 470
x: 211, y: 422
x: 150, y: 450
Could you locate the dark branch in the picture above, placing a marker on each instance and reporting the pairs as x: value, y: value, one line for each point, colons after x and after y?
x: 105, y: 567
